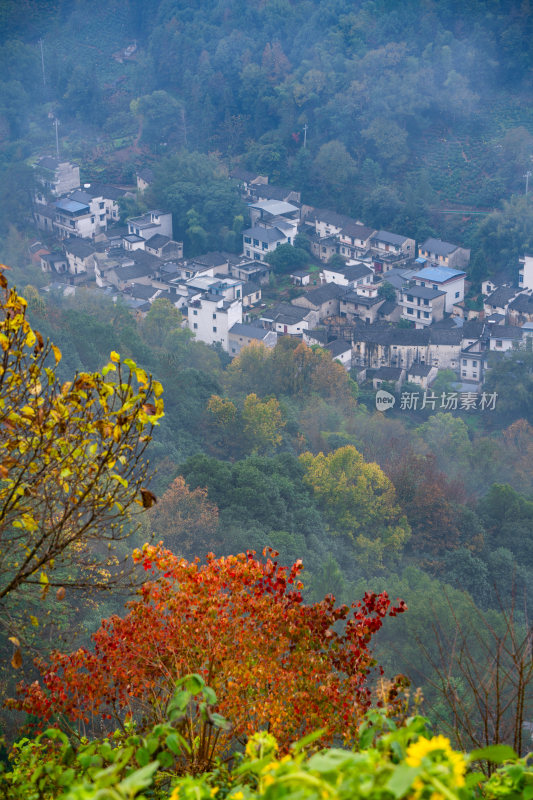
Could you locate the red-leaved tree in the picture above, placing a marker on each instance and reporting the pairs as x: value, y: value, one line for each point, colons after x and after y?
x: 240, y: 622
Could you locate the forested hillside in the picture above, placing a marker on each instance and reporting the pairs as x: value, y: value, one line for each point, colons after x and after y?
x: 320, y: 567
x: 392, y: 112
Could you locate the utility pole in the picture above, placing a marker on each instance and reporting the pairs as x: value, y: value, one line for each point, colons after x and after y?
x: 527, y: 176
x: 56, y: 123
x: 305, y: 134
x: 42, y: 61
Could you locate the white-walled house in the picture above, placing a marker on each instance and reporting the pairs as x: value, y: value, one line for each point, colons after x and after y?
x: 259, y: 241
x: 73, y: 218
x: 443, y: 279
x: 211, y: 317
x: 525, y: 273
x: 151, y: 223
x: 350, y: 275
x: 55, y: 177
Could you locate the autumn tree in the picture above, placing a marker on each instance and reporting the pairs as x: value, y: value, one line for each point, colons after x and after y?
x: 72, y: 455
x: 240, y: 623
x: 358, y: 501
x: 185, y: 519
x: 256, y: 428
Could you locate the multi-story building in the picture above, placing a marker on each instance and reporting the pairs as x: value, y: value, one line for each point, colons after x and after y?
x: 443, y: 279
x: 211, y: 317
x: 422, y: 305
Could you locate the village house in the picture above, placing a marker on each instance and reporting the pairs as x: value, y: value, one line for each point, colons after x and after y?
x: 391, y: 375
x: 147, y: 225
x: 54, y: 262
x: 259, y: 241
x: 301, y: 277
x: 55, y: 177
x: 164, y: 247
x: 362, y: 303
x: 444, y: 279
x: 287, y: 319
x: 520, y: 310
x: 241, y: 335
x: 444, y: 347
x: 322, y: 302
x: 422, y: 305
x: 74, y: 218
x: 96, y: 208
x: 376, y: 345
x: 386, y: 242
x: 324, y: 222
x: 323, y: 248
x: 351, y: 275
x: 498, y: 301
x: 504, y: 338
x: 421, y: 375
x: 249, y: 270
x: 444, y: 254
x: 80, y: 257
x: 211, y: 317
x: 341, y: 351
x: 525, y: 273
x: 354, y: 239
x: 260, y: 192
x: 145, y: 178
x: 251, y: 294
x: 472, y: 363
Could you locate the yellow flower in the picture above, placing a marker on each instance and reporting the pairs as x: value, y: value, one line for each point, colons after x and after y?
x: 214, y: 790
x: 438, y: 750
x: 237, y: 796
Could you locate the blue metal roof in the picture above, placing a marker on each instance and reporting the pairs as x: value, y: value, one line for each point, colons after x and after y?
x: 71, y: 206
x: 438, y: 274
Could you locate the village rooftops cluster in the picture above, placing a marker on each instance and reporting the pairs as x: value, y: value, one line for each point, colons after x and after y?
x: 350, y: 305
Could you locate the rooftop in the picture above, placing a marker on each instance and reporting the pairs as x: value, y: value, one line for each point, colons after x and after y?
x: 274, y: 207
x: 439, y: 247
x: 439, y: 274
x: 389, y: 238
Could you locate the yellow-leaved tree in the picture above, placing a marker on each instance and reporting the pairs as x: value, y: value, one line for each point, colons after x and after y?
x: 72, y: 456
x: 359, y: 501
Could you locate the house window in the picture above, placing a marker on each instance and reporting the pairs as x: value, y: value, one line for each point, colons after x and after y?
x: 195, y: 325
x: 248, y: 239
x: 265, y: 245
x: 464, y: 373
x: 464, y: 362
x: 435, y: 286
x: 248, y: 253
x: 100, y: 205
x: 214, y: 329
x: 474, y: 374
x: 409, y: 298
x: 410, y: 311
x: 214, y: 316
x: 426, y: 314
x: 102, y: 217
x: 474, y: 364
x: 195, y: 312
x: 256, y: 242
x: 498, y: 342
x: 457, y: 294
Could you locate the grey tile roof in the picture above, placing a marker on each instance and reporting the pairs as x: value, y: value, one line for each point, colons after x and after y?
x: 439, y: 247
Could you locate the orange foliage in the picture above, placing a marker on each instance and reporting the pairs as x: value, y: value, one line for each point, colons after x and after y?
x: 185, y: 518
x: 240, y: 622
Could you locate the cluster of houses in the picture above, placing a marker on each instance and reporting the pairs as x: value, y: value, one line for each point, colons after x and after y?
x: 356, y: 305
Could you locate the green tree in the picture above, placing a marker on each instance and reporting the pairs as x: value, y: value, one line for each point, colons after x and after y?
x: 358, y: 501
